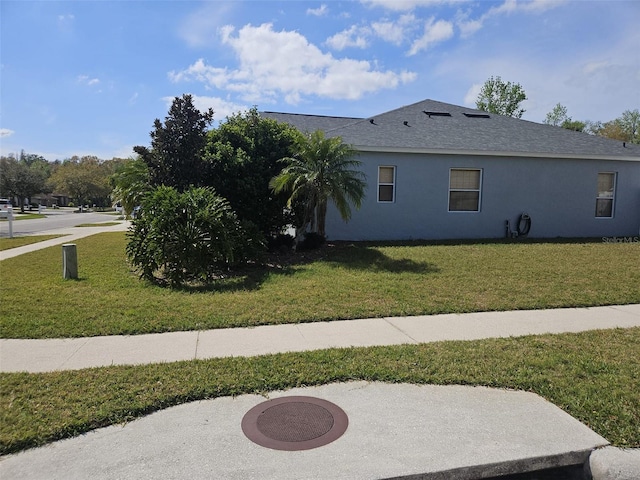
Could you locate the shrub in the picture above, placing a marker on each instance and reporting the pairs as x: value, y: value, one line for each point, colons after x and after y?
x: 312, y: 241
x: 281, y: 242
x: 187, y: 237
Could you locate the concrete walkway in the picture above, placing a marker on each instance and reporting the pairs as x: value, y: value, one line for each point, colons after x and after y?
x: 77, y: 353
x: 394, y: 431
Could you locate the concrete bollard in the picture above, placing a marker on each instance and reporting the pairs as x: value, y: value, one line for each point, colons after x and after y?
x: 69, y: 261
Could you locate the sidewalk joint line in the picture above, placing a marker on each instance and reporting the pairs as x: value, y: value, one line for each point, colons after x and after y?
x: 66, y: 360
x: 195, y: 356
x: 388, y: 321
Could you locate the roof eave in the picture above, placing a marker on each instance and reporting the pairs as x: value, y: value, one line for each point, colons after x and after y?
x: 487, y: 153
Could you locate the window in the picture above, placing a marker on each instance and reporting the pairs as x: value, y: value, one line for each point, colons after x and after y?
x: 464, y: 190
x: 386, y: 184
x: 606, y: 193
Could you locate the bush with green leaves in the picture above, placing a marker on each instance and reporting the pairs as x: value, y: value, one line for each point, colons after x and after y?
x: 194, y: 236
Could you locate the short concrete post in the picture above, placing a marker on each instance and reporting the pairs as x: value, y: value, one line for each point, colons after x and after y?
x: 69, y: 261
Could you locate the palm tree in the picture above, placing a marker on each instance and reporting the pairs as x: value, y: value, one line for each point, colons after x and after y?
x: 322, y: 169
x: 131, y: 183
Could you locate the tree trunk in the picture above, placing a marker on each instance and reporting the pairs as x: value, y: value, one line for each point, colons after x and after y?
x: 322, y: 215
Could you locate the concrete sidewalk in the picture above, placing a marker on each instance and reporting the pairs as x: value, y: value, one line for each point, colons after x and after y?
x: 77, y: 353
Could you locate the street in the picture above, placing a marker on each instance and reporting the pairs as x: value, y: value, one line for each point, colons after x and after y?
x: 55, y: 219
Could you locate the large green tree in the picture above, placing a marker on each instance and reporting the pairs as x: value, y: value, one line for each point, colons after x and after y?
x: 322, y: 169
x: 21, y: 180
x: 502, y: 98
x: 242, y: 155
x: 36, y: 163
x: 85, y: 180
x: 625, y: 128
x: 558, y: 117
x: 175, y: 156
x: 629, y: 121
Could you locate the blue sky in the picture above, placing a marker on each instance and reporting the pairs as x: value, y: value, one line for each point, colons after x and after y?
x: 90, y: 77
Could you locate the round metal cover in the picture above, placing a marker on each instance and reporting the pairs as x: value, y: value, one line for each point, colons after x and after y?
x: 294, y: 423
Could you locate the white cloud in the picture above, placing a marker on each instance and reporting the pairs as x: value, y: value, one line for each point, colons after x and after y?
x: 469, y: 27
x: 472, y: 95
x: 211, y: 76
x: 274, y: 64
x: 65, y: 23
x: 5, y: 132
x: 595, y: 67
x: 200, y: 28
x: 318, y: 12
x: 86, y: 80
x: 434, y: 32
x: 532, y: 6
x: 395, y: 32
x: 353, y: 37
x: 405, y: 5
x: 506, y: 7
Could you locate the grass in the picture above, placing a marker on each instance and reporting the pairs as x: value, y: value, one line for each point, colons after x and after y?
x: 594, y: 376
x: 343, y: 282
x: 24, y: 216
x: 103, y: 224
x: 8, y: 243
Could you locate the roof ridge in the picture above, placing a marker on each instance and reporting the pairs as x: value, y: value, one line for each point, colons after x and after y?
x: 312, y: 115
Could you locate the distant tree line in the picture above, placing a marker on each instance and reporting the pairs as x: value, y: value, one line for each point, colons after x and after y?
x: 85, y: 180
x: 505, y: 98
x: 625, y: 128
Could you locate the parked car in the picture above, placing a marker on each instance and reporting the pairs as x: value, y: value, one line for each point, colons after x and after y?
x: 5, y: 206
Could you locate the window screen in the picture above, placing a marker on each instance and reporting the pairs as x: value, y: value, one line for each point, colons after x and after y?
x: 464, y: 190
x: 606, y: 194
x: 386, y: 184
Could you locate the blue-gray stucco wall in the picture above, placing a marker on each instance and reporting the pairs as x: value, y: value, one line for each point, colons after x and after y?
x: 558, y: 194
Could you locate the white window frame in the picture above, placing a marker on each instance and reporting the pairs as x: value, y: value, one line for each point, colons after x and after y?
x: 604, y: 197
x: 479, y: 189
x: 392, y: 184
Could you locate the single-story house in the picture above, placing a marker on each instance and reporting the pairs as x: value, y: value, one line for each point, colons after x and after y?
x: 441, y: 171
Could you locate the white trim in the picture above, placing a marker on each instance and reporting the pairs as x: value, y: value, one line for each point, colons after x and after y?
x: 393, y: 184
x: 612, y: 198
x: 479, y: 190
x: 364, y: 148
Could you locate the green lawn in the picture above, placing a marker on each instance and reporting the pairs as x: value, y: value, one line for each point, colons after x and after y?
x: 345, y: 281
x: 102, y: 224
x: 7, y: 243
x: 24, y: 216
x: 594, y: 376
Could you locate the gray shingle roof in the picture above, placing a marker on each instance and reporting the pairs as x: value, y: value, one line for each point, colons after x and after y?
x: 409, y: 128
x: 310, y: 123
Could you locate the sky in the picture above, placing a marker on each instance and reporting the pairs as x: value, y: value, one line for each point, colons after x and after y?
x: 89, y: 77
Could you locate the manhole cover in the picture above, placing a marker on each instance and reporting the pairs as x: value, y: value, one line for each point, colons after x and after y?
x: 294, y: 423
